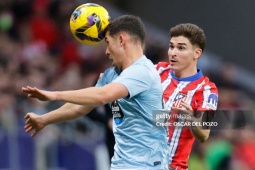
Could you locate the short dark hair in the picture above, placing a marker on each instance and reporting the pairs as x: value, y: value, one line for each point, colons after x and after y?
x: 194, y: 33
x: 131, y: 24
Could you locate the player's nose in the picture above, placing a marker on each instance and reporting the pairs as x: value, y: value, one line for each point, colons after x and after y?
x: 172, y: 52
x: 107, y: 52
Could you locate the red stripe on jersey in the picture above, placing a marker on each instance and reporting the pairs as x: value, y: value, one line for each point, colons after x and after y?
x: 197, y: 94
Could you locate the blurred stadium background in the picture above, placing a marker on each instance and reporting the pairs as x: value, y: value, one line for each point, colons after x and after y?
x: 37, y: 49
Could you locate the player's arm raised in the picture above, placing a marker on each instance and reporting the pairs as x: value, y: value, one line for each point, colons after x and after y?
x: 88, y: 96
x: 79, y: 102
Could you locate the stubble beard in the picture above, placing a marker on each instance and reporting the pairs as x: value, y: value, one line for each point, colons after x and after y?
x: 118, y: 68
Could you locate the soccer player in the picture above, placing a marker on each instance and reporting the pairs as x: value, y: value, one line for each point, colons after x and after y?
x: 187, y: 93
x: 133, y: 90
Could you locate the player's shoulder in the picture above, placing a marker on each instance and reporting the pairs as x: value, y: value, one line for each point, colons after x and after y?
x: 162, y: 66
x: 109, y: 71
x: 209, y: 85
x: 208, y: 82
x: 109, y: 74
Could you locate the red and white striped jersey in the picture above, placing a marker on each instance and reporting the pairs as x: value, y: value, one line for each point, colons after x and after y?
x: 196, y: 90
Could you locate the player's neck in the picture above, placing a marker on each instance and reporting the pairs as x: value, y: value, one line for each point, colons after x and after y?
x: 185, y: 72
x: 132, y: 56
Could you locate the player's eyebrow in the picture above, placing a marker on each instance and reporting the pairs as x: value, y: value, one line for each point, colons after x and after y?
x: 183, y: 44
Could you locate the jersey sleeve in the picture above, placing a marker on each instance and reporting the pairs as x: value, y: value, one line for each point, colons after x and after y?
x: 207, y: 98
x: 104, y: 79
x: 136, y: 79
x: 100, y: 81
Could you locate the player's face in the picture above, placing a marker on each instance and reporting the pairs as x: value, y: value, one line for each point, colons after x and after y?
x: 113, y: 51
x: 182, y: 56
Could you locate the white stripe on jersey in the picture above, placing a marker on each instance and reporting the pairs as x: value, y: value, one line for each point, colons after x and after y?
x: 167, y: 82
x: 174, y: 143
x: 192, y: 92
x: 206, y: 94
x: 162, y: 69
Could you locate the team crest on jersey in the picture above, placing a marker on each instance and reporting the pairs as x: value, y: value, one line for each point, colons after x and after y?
x: 118, y: 115
x: 178, y: 98
x: 212, y: 101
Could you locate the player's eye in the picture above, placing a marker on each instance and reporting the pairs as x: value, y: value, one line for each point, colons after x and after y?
x: 106, y: 42
x: 171, y: 46
x: 181, y: 48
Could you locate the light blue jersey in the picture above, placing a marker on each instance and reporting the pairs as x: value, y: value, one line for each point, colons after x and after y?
x: 138, y: 144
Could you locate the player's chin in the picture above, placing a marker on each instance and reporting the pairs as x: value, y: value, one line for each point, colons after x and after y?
x: 173, y: 67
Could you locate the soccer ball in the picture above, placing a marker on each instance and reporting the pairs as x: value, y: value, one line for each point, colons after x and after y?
x: 88, y: 22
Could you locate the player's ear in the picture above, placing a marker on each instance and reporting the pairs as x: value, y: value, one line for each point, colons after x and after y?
x: 198, y: 52
x: 121, y: 39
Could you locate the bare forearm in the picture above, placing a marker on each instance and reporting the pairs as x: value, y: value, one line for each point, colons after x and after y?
x: 67, y: 112
x: 200, y: 134
x: 92, y: 96
x: 89, y: 96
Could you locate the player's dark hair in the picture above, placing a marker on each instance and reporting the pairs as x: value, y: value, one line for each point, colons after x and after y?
x: 130, y: 24
x: 194, y: 33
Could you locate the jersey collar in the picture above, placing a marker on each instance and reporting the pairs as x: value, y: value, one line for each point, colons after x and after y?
x: 191, y: 78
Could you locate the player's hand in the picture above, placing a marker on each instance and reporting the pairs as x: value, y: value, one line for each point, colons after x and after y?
x: 34, y: 123
x: 186, y: 110
x: 42, y: 95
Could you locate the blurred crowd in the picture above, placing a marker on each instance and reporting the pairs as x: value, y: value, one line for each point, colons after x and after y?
x: 37, y: 49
